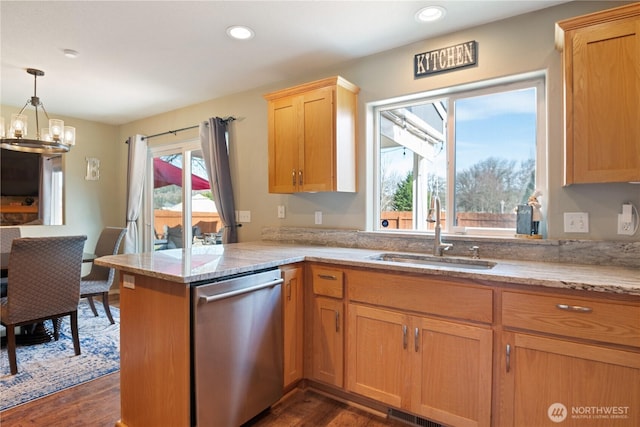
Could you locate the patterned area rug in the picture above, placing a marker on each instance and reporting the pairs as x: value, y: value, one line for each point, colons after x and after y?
x: 47, y: 368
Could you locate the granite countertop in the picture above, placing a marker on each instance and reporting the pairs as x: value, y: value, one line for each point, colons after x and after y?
x: 216, y: 261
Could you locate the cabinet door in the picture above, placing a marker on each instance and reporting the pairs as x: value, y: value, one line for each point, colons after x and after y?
x: 328, y: 341
x: 378, y: 349
x: 452, y: 372
x: 317, y: 156
x: 284, y: 140
x: 576, y: 384
x: 606, y: 103
x: 292, y: 306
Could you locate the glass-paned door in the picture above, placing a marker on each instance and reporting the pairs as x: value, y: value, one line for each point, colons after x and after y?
x: 179, y: 212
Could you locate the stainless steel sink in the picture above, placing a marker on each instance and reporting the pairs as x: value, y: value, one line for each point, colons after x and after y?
x: 451, y: 262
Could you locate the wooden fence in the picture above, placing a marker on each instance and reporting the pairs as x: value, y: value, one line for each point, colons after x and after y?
x: 208, y: 222
x: 404, y: 220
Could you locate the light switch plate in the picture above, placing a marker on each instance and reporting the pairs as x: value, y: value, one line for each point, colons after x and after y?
x: 281, y: 211
x: 318, y: 217
x: 576, y: 222
x: 244, y: 216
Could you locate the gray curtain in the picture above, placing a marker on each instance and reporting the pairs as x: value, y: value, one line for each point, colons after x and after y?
x: 135, y: 184
x: 213, y: 138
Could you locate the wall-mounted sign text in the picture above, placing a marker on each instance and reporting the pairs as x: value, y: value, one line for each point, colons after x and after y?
x: 445, y: 59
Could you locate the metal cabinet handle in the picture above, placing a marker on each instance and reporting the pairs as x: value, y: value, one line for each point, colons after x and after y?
x: 293, y: 177
x: 416, y: 339
x: 337, y: 321
x: 212, y: 298
x: 508, y: 354
x: 288, y: 290
x: 327, y: 277
x: 300, y: 177
x: 404, y: 337
x: 577, y: 308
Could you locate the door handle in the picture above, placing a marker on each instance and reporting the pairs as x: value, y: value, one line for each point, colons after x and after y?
x: 212, y: 298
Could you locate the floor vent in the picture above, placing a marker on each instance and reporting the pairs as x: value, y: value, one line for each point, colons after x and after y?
x: 394, y: 414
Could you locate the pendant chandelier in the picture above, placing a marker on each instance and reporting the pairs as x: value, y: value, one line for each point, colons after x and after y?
x: 55, y: 139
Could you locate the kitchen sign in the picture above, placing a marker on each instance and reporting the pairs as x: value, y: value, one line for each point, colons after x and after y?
x: 445, y: 59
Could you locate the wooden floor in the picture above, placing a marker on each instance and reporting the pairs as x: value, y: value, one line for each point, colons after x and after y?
x: 97, y: 404
x: 309, y: 409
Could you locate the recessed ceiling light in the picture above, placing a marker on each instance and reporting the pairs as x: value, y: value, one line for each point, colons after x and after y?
x: 70, y: 53
x: 430, y: 13
x: 240, y: 32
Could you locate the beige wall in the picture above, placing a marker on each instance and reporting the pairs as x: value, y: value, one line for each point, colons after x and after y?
x: 512, y: 46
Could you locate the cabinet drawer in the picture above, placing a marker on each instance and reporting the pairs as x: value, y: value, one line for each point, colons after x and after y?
x: 327, y: 281
x: 429, y: 295
x: 585, y: 318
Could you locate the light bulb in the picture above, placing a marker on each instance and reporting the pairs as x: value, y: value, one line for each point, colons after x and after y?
x: 69, y: 135
x: 45, y: 135
x: 18, y: 125
x: 56, y: 129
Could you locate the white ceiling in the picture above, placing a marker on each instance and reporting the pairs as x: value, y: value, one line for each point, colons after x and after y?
x: 141, y: 58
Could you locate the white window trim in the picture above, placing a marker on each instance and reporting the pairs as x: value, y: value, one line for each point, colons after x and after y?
x: 535, y: 78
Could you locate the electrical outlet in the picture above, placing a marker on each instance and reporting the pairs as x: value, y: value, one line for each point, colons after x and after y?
x: 318, y: 217
x: 576, y: 222
x: 281, y: 211
x: 625, y: 227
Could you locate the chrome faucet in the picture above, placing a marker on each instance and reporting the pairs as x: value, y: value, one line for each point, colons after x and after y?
x: 438, y: 246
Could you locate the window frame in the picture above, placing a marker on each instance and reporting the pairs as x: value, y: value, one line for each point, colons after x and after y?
x: 184, y: 148
x: 535, y: 79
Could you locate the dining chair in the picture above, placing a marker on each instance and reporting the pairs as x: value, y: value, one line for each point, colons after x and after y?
x: 99, y: 280
x: 7, y: 234
x: 44, y: 284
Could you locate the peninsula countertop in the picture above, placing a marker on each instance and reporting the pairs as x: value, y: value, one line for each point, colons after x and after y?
x: 204, y: 263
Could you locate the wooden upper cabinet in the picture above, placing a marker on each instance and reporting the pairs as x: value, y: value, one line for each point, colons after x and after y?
x: 312, y: 137
x: 601, y: 54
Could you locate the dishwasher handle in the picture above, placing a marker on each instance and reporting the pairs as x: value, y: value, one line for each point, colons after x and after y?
x: 212, y: 298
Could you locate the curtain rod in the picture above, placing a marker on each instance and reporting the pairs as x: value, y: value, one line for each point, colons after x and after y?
x: 173, y: 132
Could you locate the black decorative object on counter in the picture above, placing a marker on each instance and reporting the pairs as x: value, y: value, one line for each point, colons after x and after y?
x: 524, y: 219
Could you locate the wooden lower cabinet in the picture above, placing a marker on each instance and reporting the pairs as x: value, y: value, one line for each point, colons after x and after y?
x: 437, y: 369
x: 377, y: 345
x: 551, y: 382
x: 292, y: 309
x: 328, y: 341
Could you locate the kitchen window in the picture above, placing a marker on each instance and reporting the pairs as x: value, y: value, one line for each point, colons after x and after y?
x: 480, y: 150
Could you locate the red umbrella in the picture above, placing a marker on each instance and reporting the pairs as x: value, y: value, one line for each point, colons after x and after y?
x: 167, y: 174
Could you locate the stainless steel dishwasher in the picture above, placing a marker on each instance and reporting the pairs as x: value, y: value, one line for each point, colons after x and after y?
x: 237, y: 348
